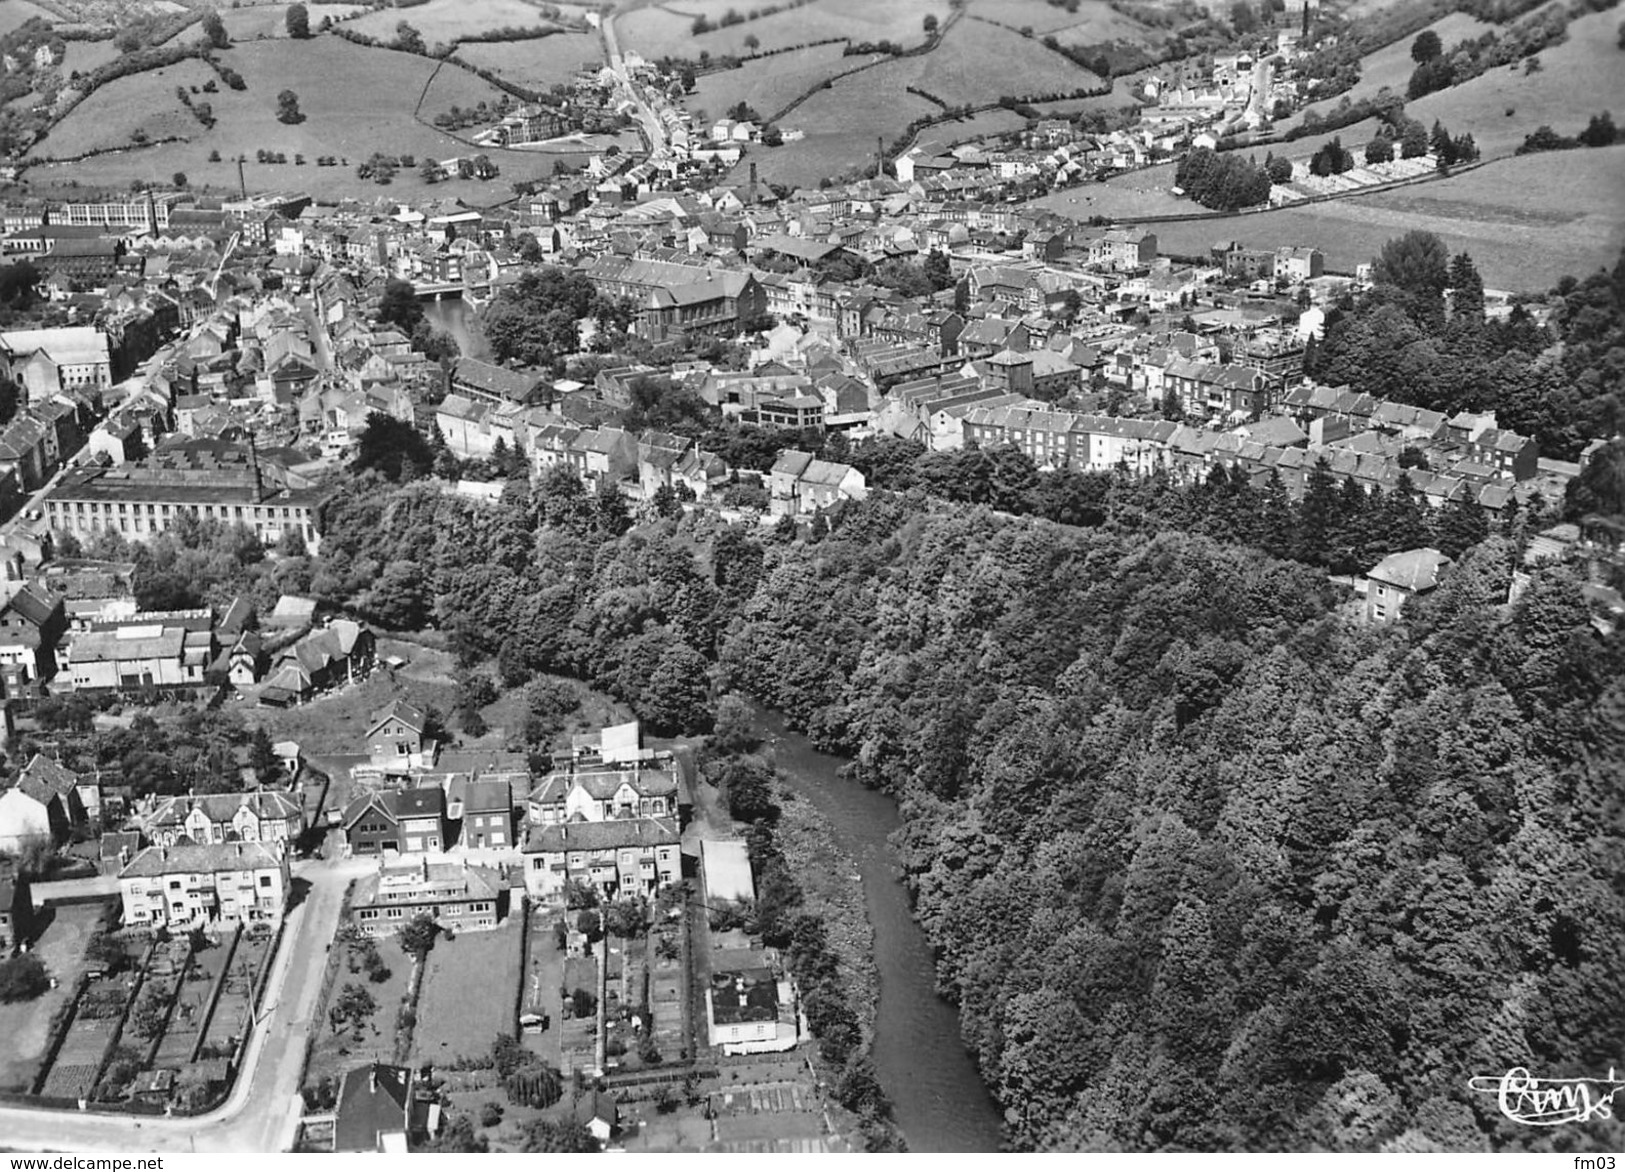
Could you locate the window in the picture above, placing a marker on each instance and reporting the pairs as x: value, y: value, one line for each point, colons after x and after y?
x: 174, y: 884
x: 265, y: 881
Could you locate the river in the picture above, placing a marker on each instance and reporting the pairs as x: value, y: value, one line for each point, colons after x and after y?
x: 940, y: 1101
x: 457, y: 318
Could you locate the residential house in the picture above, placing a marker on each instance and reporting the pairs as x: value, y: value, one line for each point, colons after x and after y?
x: 198, y: 885
x: 1399, y: 577
x: 457, y: 896
x: 618, y: 857
x: 340, y: 652
x: 266, y: 816
x: 380, y: 1109
x: 409, y: 821
x: 43, y: 804
x: 750, y: 1011
x: 799, y: 483
x: 495, y: 384
x: 32, y: 621
x: 488, y: 814
x: 396, y: 740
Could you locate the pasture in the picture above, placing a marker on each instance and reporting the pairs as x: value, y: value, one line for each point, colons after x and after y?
x: 978, y: 62
x: 470, y: 990
x: 1094, y: 22
x: 539, y: 63
x: 670, y: 29
x: 447, y: 20
x: 355, y: 99
x: 1138, y: 193
x: 769, y: 84
x: 945, y: 135
x: 841, y: 125
x: 1577, y: 79
x: 260, y: 21
x: 1526, y: 222
x: 16, y: 13
x: 1390, y: 67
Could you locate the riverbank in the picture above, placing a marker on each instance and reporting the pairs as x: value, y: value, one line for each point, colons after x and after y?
x: 832, y: 889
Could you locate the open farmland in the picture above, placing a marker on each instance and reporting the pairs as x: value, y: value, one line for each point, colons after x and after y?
x: 446, y: 20
x: 841, y: 125
x: 1583, y: 75
x: 1390, y: 67
x: 356, y: 100
x: 669, y: 30
x: 110, y: 116
x: 978, y: 62
x: 768, y: 84
x: 538, y: 63
x: 469, y: 994
x: 1526, y: 221
x: 945, y: 135
x: 260, y: 21
x: 15, y: 13
x: 1094, y: 22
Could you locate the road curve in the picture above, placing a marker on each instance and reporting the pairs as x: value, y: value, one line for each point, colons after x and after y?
x: 262, y: 1112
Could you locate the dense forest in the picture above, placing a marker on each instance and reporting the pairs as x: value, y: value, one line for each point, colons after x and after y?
x: 1208, y: 864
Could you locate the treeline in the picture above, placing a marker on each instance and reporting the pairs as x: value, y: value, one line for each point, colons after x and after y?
x: 1469, y: 58
x: 1599, y: 132
x: 1406, y: 341
x: 1224, y: 182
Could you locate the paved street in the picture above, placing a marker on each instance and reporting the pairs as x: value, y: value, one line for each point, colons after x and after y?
x: 654, y: 130
x: 263, y: 1111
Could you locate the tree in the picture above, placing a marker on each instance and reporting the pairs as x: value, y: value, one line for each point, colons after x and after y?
x: 627, y: 918
x: 747, y: 786
x: 1600, y: 131
x: 409, y: 40
x: 178, y: 179
x: 393, y: 448
x: 1417, y: 267
x: 1379, y: 150
x: 287, y: 108
x: 1426, y: 47
x: 297, y: 21
x: 431, y: 172
x: 752, y: 42
x: 545, y: 1135
x: 214, y: 30
x: 930, y: 24
x: 353, y: 1005
x: 418, y: 935
x: 534, y: 1085
x: 22, y: 978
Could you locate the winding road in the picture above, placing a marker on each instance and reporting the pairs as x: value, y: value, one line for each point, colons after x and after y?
x: 262, y: 1112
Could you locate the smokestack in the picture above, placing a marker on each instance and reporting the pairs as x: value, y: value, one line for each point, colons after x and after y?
x: 752, y: 192
x: 1306, y: 19
x: 880, y: 157
x: 242, y: 184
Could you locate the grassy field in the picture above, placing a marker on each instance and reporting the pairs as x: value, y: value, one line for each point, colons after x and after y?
x: 537, y: 63
x: 950, y: 134
x: 842, y: 125
x: 1526, y: 221
x: 370, y: 111
x: 769, y: 84
x: 978, y: 62
x: 262, y: 21
x: 1390, y: 67
x: 1094, y: 22
x: 669, y: 30
x: 446, y: 20
x: 22, y: 1023
x: 469, y: 992
x: 1577, y: 79
x: 15, y: 13
x: 1139, y: 193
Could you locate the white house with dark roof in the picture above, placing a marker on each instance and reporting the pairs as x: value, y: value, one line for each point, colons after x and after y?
x: 197, y: 885
x: 622, y: 856
x: 258, y: 816
x: 44, y: 804
x: 1398, y: 577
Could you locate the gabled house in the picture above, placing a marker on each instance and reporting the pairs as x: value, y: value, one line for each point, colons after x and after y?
x: 396, y: 741
x: 256, y: 816
x: 620, y: 857
x: 1398, y: 578
x: 798, y: 482
x: 396, y: 822
x: 197, y: 885
x: 379, y: 1109
x: 457, y: 896
x: 16, y: 909
x: 44, y: 804
x: 488, y: 814
x: 32, y: 621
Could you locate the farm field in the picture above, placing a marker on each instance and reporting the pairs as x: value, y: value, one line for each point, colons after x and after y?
x: 371, y: 110
x: 262, y: 21
x: 946, y: 135
x: 769, y: 84
x: 537, y: 64
x: 1504, y: 214
x: 841, y: 126
x: 1139, y: 193
x: 1577, y: 79
x: 978, y: 62
x: 661, y: 31
x: 446, y: 20
x: 108, y: 117
x: 1095, y: 21
x: 469, y: 993
x: 15, y: 13
x: 23, y: 1023
x: 1390, y: 67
